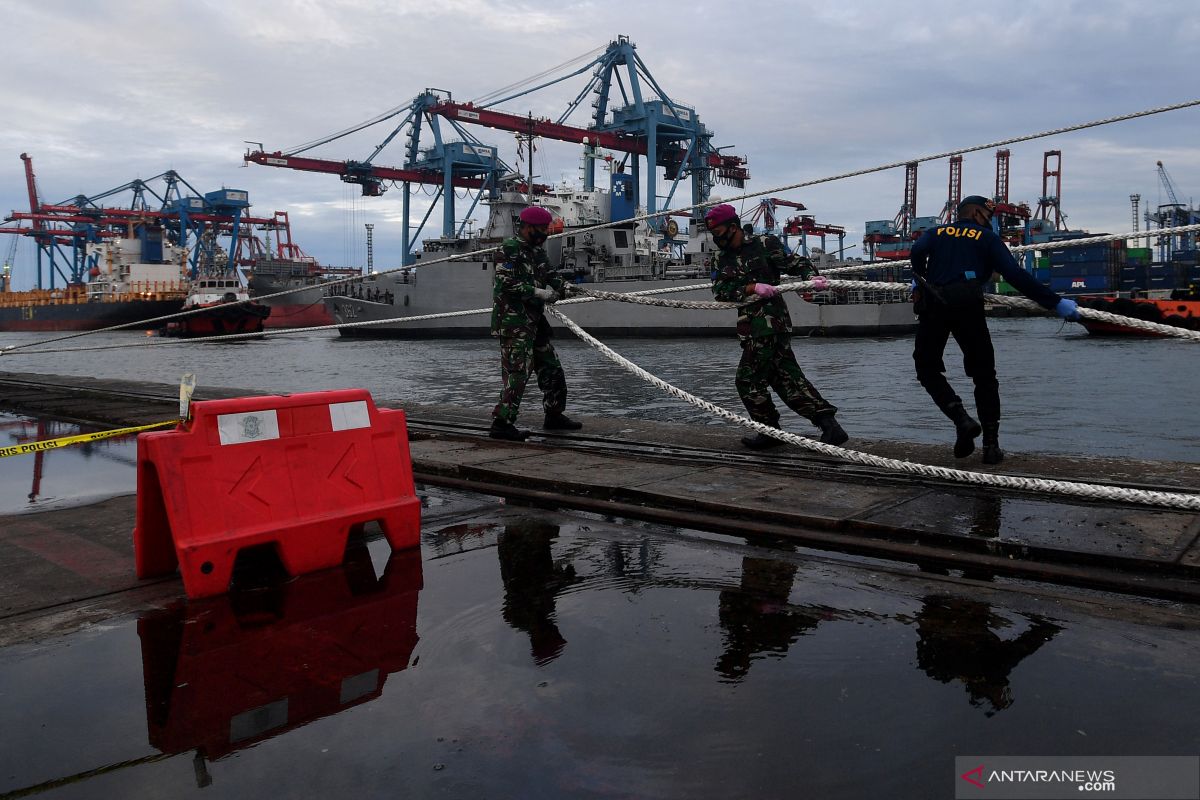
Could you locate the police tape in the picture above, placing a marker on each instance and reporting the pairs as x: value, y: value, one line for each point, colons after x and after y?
x: 54, y: 444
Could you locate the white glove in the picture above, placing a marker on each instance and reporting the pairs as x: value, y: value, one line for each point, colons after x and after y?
x: 545, y: 295
x: 765, y: 290
x: 820, y: 283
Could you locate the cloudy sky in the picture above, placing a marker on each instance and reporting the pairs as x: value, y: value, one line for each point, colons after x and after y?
x: 103, y: 92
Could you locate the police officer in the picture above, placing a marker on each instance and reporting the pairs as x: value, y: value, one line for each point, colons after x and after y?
x: 950, y: 264
x: 748, y: 268
x: 524, y: 283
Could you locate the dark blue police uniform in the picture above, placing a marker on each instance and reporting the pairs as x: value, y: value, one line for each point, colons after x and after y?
x: 952, y: 263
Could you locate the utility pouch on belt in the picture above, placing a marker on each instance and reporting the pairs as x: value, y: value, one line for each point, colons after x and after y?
x: 964, y: 293
x: 961, y: 293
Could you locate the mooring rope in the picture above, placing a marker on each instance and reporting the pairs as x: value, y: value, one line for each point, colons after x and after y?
x: 696, y: 207
x: 1088, y: 491
x: 995, y: 299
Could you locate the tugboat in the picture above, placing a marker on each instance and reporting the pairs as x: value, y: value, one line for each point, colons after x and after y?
x: 228, y: 309
x: 1181, y: 309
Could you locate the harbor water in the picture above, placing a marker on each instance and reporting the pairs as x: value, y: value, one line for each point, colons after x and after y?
x: 1062, y: 390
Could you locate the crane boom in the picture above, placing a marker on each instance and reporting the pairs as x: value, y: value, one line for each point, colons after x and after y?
x: 1167, y: 185
x: 370, y: 176
x: 611, y: 140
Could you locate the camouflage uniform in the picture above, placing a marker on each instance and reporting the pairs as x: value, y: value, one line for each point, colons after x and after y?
x: 765, y: 330
x: 519, y: 321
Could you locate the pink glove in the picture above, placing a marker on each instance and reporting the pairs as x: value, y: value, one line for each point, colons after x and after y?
x: 765, y: 290
x: 820, y: 283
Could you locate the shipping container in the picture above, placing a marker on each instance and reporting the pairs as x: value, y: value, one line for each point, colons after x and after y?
x: 1079, y: 283
x: 1081, y: 268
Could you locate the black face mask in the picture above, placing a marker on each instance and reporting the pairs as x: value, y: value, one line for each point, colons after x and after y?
x: 723, y: 239
x: 538, y: 238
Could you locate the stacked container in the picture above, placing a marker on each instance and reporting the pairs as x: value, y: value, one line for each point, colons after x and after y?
x: 1085, y: 270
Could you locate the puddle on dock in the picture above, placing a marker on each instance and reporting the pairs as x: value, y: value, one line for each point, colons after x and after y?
x: 526, y: 653
x: 66, y: 476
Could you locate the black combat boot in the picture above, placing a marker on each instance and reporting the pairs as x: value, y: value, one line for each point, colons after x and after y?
x: 831, y: 431
x: 506, y: 431
x: 760, y: 441
x: 557, y: 422
x: 992, y: 454
x: 967, y: 429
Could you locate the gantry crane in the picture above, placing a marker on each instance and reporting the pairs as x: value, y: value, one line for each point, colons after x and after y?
x: 1171, y: 214
x: 647, y: 124
x: 1009, y: 219
x: 765, y: 213
x: 953, y: 191
x: 196, y: 223
x: 1050, y: 203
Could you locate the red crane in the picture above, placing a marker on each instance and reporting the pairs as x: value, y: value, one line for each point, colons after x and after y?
x: 909, y: 209
x: 1049, y: 204
x: 765, y: 211
x: 1001, y: 195
x: 369, y: 175
x: 954, y: 191
x: 728, y: 167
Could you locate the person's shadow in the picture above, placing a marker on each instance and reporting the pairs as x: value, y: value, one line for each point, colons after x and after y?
x: 531, y: 581
x: 958, y: 641
x: 757, y: 617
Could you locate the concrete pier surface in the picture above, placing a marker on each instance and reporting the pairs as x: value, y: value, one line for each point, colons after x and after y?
x: 699, y: 476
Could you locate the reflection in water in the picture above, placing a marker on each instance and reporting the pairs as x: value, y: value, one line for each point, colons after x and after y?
x: 757, y: 618
x: 80, y: 469
x: 957, y: 642
x: 531, y: 580
x: 224, y: 673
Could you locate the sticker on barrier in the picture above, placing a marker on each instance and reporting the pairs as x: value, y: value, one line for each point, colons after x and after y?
x: 299, y: 472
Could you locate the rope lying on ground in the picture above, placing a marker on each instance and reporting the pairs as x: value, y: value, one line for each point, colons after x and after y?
x: 1086, y: 491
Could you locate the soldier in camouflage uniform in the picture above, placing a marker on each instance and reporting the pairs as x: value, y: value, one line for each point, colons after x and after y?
x: 524, y: 283
x: 749, y: 268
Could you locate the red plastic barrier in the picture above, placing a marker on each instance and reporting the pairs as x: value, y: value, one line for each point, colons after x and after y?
x: 299, y: 471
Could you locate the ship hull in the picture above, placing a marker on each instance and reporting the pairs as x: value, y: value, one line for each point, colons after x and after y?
x: 85, y: 316
x: 302, y: 308
x: 221, y: 320
x: 455, y: 286
x: 1177, y: 313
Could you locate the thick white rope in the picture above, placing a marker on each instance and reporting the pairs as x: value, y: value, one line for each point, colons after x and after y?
x: 12, y: 350
x: 995, y: 299
x: 1024, y: 248
x: 1086, y: 491
x: 644, y: 297
x: 776, y: 190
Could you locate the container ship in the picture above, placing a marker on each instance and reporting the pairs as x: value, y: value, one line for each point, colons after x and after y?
x: 133, y: 280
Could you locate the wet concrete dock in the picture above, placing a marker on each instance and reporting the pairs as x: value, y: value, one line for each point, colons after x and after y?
x: 699, y: 476
x: 644, y: 610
